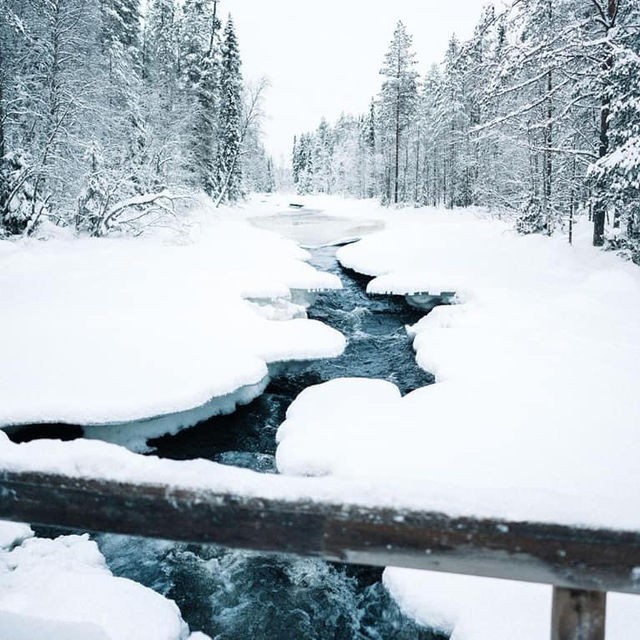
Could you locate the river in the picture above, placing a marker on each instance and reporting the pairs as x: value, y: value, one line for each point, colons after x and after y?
x: 236, y: 595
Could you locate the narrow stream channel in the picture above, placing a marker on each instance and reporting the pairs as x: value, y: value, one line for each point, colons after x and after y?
x: 237, y: 595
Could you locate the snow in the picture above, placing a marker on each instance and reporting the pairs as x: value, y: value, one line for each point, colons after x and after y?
x: 134, y: 435
x: 62, y: 590
x: 107, y: 331
x: 314, y: 229
x: 471, y: 608
x: 533, y: 415
x: 535, y: 375
x: 12, y: 533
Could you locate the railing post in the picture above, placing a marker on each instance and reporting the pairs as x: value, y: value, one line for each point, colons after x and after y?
x: 578, y: 615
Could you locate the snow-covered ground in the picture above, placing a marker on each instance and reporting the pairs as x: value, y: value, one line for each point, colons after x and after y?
x: 62, y: 590
x: 533, y: 415
x: 114, y: 330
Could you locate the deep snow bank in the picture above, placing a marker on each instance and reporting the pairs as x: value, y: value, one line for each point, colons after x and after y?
x: 62, y: 590
x: 116, y: 330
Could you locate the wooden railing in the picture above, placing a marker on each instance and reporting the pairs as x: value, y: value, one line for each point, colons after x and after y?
x: 581, y: 563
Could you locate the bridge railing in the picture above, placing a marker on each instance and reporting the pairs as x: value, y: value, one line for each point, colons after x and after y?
x: 582, y: 564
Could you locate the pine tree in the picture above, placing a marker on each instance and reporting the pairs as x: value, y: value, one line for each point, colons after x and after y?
x: 200, y: 68
x: 161, y: 45
x: 616, y: 176
x: 228, y: 165
x: 164, y: 104
x: 398, y: 101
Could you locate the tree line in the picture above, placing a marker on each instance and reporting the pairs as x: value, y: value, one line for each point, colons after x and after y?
x: 106, y: 112
x: 537, y: 113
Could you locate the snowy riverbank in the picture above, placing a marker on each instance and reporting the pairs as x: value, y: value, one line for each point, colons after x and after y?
x: 111, y: 331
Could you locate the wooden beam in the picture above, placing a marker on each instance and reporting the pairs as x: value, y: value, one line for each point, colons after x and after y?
x: 578, y: 615
x: 574, y: 558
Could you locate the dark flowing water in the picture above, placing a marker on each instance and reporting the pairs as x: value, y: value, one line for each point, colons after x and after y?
x: 237, y: 595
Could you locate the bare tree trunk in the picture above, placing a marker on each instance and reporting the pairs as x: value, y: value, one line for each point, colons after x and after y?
x: 415, y: 197
x: 599, y: 209
x: 572, y: 202
x: 548, y: 161
x: 214, y: 27
x: 2, y: 142
x: 397, y: 159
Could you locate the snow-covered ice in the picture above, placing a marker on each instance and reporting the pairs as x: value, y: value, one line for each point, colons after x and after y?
x: 62, y: 590
x: 115, y: 330
x: 12, y: 533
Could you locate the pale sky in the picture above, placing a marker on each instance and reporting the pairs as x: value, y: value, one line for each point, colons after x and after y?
x: 323, y: 56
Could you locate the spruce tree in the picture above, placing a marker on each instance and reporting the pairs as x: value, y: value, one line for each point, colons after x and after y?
x: 398, y: 100
x: 230, y: 135
x: 201, y: 78
x: 616, y: 176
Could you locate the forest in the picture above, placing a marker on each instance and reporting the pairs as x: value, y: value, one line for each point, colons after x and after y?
x: 537, y: 114
x: 109, y: 114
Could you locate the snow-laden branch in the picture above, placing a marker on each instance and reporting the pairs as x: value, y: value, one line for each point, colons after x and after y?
x: 148, y: 203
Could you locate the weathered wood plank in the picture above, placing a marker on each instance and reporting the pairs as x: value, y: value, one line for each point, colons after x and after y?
x: 575, y: 558
x: 578, y: 615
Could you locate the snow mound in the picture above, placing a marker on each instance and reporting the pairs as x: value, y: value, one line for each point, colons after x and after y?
x: 533, y: 415
x: 13, y: 533
x: 62, y: 590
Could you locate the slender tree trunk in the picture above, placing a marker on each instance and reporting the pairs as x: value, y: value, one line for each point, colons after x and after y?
x: 572, y: 202
x: 214, y: 26
x: 599, y: 208
x: 415, y: 197
x: 2, y: 137
x: 397, y: 158
x: 548, y: 159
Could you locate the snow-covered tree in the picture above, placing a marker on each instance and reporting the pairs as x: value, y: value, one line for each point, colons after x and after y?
x: 616, y: 175
x: 200, y: 66
x: 230, y: 124
x: 398, y: 102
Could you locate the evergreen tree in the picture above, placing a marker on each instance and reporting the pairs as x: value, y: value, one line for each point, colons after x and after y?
x: 616, y: 176
x: 97, y: 118
x: 398, y: 101
x: 200, y: 67
x: 536, y: 114
x: 228, y: 165
x: 164, y: 105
